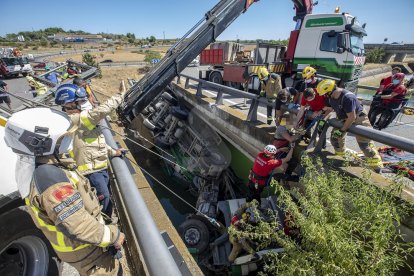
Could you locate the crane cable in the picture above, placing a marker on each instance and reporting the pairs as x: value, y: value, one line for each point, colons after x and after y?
x: 142, y: 146
x: 211, y: 220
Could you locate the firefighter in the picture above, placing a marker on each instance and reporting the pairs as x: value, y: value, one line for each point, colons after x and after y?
x: 349, y: 110
x: 309, y: 79
x: 244, y: 215
x: 36, y: 87
x: 60, y: 201
x: 272, y: 88
x: 287, y: 96
x: 90, y: 150
x: 261, y: 172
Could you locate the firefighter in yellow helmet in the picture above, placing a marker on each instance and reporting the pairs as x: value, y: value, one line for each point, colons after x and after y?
x: 271, y: 89
x: 349, y: 110
x: 60, y: 201
x: 309, y: 79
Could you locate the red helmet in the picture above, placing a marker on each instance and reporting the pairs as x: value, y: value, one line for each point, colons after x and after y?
x: 398, y: 76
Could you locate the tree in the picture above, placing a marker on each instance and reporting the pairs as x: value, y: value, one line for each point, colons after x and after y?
x: 341, y: 226
x: 152, y: 39
x: 150, y: 55
x: 90, y: 60
x: 375, y: 55
x: 44, y: 42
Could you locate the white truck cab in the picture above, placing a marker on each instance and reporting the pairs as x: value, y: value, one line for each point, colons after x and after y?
x: 333, y: 44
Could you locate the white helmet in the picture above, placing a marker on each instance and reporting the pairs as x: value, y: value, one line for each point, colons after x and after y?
x: 36, y: 131
x: 270, y: 149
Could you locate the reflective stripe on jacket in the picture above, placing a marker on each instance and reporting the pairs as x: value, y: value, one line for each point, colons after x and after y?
x: 90, y: 150
x: 69, y: 215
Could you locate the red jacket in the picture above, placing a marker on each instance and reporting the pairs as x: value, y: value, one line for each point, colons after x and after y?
x: 400, y: 90
x: 262, y: 168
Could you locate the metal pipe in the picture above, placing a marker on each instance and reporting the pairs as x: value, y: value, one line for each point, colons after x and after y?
x: 156, y: 255
x: 378, y: 136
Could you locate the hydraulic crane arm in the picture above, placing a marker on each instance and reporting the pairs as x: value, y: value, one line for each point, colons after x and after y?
x: 181, y: 54
x: 303, y: 7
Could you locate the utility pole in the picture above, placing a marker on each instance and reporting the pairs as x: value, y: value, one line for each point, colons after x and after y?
x: 163, y: 34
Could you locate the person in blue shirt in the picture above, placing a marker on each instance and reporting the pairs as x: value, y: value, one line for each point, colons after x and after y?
x: 53, y: 77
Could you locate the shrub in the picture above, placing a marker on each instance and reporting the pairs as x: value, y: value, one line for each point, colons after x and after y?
x: 342, y: 225
x: 150, y: 55
x: 375, y: 55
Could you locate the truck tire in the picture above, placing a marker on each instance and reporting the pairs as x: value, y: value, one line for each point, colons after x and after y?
x: 195, y: 234
x: 24, y: 74
x: 216, y: 77
x: 24, y: 250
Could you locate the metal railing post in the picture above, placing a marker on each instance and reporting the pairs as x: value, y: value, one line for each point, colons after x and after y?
x: 179, y: 79
x: 322, y: 139
x: 252, y: 115
x: 187, y: 83
x: 219, y: 98
x: 199, y: 90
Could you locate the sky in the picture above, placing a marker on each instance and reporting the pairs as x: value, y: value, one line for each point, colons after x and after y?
x: 266, y: 19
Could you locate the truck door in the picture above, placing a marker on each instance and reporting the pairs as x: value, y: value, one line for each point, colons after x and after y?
x: 331, y: 57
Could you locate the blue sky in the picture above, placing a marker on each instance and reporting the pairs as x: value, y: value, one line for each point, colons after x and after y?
x: 267, y: 19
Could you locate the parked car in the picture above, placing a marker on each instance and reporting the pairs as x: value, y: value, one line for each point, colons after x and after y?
x: 13, y: 66
x: 40, y: 65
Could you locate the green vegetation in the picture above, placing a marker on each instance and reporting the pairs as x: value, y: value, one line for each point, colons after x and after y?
x: 340, y: 226
x: 150, y: 55
x: 375, y: 55
x: 90, y: 60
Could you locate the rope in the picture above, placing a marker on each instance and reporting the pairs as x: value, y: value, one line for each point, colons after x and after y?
x: 142, y: 146
x: 211, y: 220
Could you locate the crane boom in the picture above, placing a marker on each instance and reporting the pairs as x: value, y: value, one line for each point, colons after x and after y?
x: 181, y: 54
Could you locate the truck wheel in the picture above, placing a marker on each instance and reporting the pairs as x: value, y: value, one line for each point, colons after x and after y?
x: 216, y: 77
x: 213, y: 157
x: 24, y: 74
x: 195, y: 234
x: 24, y: 250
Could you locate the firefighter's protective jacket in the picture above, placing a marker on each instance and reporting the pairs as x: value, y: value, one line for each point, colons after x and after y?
x: 273, y: 87
x: 65, y: 207
x: 90, y: 150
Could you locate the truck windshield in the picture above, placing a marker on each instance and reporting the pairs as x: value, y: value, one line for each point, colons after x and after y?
x: 357, y: 45
x: 11, y: 61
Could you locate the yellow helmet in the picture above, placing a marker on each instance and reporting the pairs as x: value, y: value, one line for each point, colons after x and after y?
x: 262, y: 73
x: 325, y: 86
x: 308, y: 72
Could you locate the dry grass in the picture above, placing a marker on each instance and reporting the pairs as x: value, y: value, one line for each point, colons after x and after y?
x: 370, y: 66
x: 116, y: 56
x: 111, y: 78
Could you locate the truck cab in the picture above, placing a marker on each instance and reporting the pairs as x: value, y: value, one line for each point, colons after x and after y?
x: 13, y: 66
x: 333, y: 44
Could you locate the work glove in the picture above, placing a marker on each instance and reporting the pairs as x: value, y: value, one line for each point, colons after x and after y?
x: 321, y: 125
x: 337, y: 133
x: 262, y: 93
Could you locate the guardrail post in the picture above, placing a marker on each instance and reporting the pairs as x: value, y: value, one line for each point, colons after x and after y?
x: 179, y: 79
x: 187, y: 83
x: 322, y: 139
x: 199, y: 90
x: 252, y: 115
x: 219, y: 98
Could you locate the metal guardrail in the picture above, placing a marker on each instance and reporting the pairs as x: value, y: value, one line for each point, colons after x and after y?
x: 376, y: 135
x: 157, y: 257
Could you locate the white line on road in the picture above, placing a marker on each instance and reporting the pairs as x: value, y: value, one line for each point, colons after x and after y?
x: 234, y: 103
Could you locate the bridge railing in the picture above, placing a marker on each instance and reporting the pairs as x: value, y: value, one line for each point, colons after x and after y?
x: 376, y: 135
